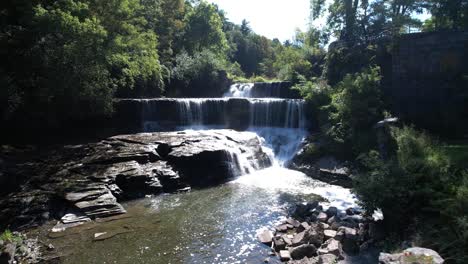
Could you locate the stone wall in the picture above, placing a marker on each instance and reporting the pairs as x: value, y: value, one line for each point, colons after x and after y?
x: 429, y: 85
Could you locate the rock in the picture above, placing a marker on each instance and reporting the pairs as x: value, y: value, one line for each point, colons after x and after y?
x: 279, y: 244
x: 300, y: 238
x: 332, y: 211
x: 287, y: 240
x: 312, y: 205
x: 50, y: 247
x: 353, y: 211
x: 315, y: 235
x: 282, y: 228
x: 302, y: 251
x: 322, y: 217
x: 284, y: 255
x: 303, y: 226
x: 7, y: 256
x: 331, y: 246
x: 265, y: 237
x: 94, y: 178
x: 412, y: 255
x: 327, y: 259
x: 313, y: 260
x: 293, y: 222
x: 324, y: 226
x: 349, y: 239
x: 332, y: 220
x: 329, y: 233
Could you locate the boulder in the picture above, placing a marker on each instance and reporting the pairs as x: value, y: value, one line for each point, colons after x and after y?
x: 332, y: 211
x: 412, y: 255
x: 279, y: 244
x: 303, y: 226
x: 322, y: 217
x: 349, y: 239
x: 293, y: 222
x: 329, y: 233
x: 303, y: 251
x: 331, y: 246
x: 284, y: 255
x: 265, y: 237
x: 327, y: 259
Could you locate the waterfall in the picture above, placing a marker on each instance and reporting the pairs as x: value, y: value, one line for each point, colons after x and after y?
x: 286, y: 113
x: 280, y: 123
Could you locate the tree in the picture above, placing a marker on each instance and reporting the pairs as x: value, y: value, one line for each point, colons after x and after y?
x: 354, y: 20
x: 204, y: 30
x: 448, y: 14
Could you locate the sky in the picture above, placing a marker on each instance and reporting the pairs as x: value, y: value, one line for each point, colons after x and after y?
x: 270, y: 18
x: 273, y: 18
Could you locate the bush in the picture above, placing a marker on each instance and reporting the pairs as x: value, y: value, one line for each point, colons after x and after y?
x: 355, y: 108
x: 419, y: 192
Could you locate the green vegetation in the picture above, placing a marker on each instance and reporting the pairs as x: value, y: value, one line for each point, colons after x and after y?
x: 8, y: 237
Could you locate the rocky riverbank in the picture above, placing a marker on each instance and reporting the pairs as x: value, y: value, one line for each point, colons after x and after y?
x: 315, y: 235
x: 79, y: 183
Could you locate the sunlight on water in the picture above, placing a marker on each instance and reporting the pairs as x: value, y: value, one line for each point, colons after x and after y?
x: 297, y: 183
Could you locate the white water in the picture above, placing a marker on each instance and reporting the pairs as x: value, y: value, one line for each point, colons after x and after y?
x: 243, y: 90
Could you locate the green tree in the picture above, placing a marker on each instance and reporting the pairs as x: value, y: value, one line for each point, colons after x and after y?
x: 204, y: 30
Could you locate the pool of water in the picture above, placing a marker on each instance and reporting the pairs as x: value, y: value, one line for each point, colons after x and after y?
x: 214, y: 225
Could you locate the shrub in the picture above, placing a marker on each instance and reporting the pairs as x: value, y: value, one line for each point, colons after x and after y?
x: 419, y: 192
x: 355, y: 108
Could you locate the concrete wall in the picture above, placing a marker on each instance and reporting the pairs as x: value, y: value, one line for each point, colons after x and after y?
x: 427, y: 79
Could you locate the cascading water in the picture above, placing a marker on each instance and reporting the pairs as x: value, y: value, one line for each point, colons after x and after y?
x: 280, y: 122
x: 242, y: 90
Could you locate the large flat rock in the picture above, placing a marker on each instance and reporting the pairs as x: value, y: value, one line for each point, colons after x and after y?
x: 92, y: 179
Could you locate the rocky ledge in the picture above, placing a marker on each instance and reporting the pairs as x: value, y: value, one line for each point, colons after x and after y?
x: 82, y: 182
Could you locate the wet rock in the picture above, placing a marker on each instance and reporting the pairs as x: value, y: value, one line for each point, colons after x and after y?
x: 332, y: 211
x: 302, y: 251
x: 265, y: 237
x: 412, y: 255
x: 284, y: 255
x: 313, y: 260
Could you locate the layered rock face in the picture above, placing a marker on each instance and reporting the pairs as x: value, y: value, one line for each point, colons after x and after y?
x: 82, y: 182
